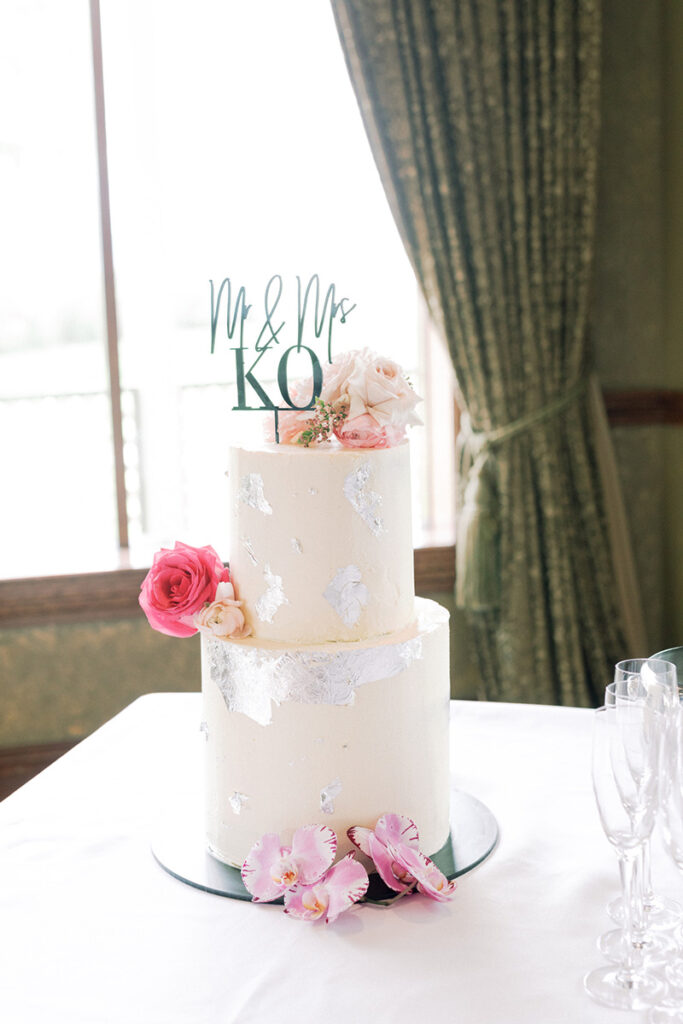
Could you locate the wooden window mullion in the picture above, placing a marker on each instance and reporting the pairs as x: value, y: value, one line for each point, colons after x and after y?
x: 108, y: 272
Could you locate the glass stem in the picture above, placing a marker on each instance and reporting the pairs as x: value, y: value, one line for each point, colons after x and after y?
x: 639, y: 922
x: 646, y: 877
x: 627, y: 868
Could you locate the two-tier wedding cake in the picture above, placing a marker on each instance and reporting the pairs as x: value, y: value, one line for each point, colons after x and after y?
x: 325, y: 681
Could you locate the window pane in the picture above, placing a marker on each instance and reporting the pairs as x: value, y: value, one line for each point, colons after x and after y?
x: 236, y: 150
x: 54, y: 405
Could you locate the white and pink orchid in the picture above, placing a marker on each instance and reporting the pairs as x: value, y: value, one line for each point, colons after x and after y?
x: 313, y: 889
x: 337, y: 890
x: 271, y: 868
x: 302, y: 873
x: 393, y: 845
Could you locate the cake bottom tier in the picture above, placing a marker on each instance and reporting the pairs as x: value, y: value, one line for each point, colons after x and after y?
x: 335, y: 734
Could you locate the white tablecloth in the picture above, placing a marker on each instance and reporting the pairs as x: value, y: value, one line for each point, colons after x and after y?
x: 93, y: 931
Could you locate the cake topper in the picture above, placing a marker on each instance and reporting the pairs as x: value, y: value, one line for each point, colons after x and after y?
x: 320, y: 318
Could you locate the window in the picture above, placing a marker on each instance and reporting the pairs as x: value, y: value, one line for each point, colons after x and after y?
x: 235, y: 149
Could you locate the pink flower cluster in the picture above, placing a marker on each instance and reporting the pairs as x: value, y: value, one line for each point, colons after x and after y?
x: 189, y: 590
x: 312, y: 889
x: 302, y: 874
x: 369, y: 398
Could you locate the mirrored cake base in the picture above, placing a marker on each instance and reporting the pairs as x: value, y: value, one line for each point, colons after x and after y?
x: 179, y: 846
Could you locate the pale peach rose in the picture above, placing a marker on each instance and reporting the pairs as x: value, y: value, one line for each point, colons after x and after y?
x: 337, y: 373
x: 377, y: 386
x: 223, y: 617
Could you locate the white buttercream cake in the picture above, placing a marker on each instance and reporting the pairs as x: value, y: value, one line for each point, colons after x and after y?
x: 334, y: 709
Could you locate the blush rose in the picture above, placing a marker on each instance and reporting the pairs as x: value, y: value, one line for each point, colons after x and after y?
x: 364, y: 432
x: 223, y: 617
x: 181, y: 581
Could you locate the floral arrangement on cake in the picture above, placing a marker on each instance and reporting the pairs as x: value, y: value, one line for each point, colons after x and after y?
x: 312, y: 889
x: 189, y: 590
x: 366, y: 401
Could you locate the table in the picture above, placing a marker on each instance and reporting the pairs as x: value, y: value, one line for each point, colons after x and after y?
x: 93, y: 931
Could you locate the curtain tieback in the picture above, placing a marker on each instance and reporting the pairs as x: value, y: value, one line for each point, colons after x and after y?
x: 477, y: 578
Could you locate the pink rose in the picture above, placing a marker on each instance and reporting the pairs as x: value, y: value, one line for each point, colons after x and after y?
x: 292, y: 423
x: 364, y: 432
x: 179, y: 583
x: 223, y: 617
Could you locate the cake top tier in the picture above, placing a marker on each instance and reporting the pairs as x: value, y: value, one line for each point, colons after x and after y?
x: 321, y: 544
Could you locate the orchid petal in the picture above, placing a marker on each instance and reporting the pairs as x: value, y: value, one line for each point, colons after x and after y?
x: 346, y: 883
x: 430, y: 880
x: 307, y: 902
x: 392, y: 829
x: 391, y: 873
x: 256, y: 870
x: 314, y: 848
x: 338, y: 889
x: 360, y: 837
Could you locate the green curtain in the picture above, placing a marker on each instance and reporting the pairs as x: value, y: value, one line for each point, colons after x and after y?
x: 483, y: 120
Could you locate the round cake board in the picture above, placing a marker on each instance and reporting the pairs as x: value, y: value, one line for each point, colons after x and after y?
x: 179, y: 846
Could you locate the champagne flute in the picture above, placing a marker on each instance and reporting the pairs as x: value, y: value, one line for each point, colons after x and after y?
x: 625, y: 758
x: 627, y: 693
x: 660, y: 912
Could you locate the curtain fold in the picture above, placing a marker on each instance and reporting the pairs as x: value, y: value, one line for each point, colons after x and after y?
x: 483, y: 118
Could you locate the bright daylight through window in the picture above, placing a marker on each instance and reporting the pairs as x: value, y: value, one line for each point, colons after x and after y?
x: 235, y: 149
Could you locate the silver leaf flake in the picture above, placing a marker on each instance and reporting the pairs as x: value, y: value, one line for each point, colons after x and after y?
x: 269, y: 602
x: 328, y: 795
x: 364, y: 501
x: 204, y: 728
x: 296, y: 545
x: 247, y: 545
x: 251, y: 493
x: 237, y: 802
x: 252, y: 679
x: 347, y: 594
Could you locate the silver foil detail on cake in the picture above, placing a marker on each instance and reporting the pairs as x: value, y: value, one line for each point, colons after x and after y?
x: 347, y: 594
x: 251, y: 493
x: 364, y: 501
x: 252, y: 678
x: 248, y: 547
x: 237, y: 802
x: 328, y: 795
x: 296, y: 545
x: 204, y: 728
x: 269, y: 602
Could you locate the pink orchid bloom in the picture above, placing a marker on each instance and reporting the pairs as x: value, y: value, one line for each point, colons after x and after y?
x: 271, y: 869
x: 391, y: 833
x: 338, y: 889
x: 393, y: 845
x: 430, y: 880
